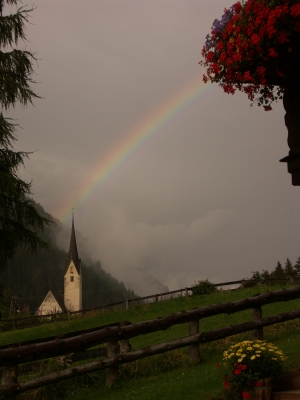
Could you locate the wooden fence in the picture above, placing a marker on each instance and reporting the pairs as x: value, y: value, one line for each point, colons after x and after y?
x: 117, y: 338
x: 24, y: 322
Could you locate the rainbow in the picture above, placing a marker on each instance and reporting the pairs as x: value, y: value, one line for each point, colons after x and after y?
x: 132, y: 141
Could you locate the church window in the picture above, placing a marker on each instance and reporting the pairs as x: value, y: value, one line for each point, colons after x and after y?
x: 71, y: 270
x: 71, y: 278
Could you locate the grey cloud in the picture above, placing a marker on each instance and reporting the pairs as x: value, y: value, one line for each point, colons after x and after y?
x: 167, y: 252
x: 205, y: 196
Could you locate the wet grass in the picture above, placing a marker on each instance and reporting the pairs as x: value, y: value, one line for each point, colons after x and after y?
x: 170, y: 376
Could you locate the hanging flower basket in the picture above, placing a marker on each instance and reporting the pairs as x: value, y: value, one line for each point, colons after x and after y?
x: 255, y: 48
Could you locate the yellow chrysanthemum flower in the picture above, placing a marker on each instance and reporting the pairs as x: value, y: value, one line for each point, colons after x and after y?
x: 252, y: 358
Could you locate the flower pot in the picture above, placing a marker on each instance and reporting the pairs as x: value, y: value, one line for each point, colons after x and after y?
x: 264, y: 391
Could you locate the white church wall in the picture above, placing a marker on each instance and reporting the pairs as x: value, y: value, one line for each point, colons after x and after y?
x: 72, y: 289
x: 49, y: 305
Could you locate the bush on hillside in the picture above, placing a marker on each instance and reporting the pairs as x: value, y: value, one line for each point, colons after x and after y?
x: 203, y: 287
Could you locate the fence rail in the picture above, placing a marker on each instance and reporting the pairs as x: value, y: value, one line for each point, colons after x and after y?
x: 24, y: 322
x: 117, y: 340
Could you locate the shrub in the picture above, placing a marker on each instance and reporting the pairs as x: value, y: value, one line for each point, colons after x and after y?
x: 203, y: 287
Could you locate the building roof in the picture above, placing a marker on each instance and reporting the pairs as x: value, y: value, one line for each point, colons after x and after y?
x: 73, y: 253
x: 57, y: 297
x: 59, y: 300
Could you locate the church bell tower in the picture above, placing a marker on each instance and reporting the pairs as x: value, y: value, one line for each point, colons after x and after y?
x: 73, y: 276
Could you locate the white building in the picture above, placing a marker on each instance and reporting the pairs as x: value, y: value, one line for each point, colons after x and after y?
x: 72, y: 300
x: 52, y: 304
x: 73, y: 277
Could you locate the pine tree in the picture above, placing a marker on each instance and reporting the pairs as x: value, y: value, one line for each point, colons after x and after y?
x: 296, y: 268
x: 288, y: 269
x: 265, y: 276
x: 278, y: 273
x: 19, y: 220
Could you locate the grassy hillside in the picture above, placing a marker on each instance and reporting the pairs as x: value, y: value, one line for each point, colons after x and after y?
x: 170, y: 376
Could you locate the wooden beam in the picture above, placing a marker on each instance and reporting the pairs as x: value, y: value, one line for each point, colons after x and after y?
x: 58, y: 347
x: 194, y: 352
x: 202, y: 337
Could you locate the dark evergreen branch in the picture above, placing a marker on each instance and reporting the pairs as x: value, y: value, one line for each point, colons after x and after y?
x: 20, y: 222
x: 12, y: 27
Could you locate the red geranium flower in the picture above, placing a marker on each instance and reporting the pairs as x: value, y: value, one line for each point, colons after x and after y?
x: 251, y: 47
x: 227, y: 385
x: 246, y: 395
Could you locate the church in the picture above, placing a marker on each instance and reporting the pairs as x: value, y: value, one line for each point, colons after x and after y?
x: 72, y: 298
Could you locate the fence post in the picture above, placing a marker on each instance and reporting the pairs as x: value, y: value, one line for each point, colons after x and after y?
x: 258, y: 334
x: 156, y: 298
x: 112, y: 372
x: 194, y: 352
x: 186, y: 292
x: 124, y: 344
x: 127, y: 305
x: 10, y: 377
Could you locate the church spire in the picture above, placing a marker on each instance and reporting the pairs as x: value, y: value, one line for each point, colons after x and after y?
x: 73, y: 253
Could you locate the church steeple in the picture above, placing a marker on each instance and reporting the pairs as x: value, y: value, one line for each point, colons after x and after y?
x: 73, y: 253
x: 73, y: 277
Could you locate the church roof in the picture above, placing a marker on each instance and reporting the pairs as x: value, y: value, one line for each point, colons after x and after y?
x: 44, y: 307
x: 59, y: 301
x: 73, y: 253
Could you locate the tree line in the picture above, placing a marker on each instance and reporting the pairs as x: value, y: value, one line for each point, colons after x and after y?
x: 288, y: 272
x: 30, y: 276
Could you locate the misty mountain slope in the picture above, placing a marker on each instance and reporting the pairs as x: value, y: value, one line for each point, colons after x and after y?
x: 136, y: 278
x: 31, y: 276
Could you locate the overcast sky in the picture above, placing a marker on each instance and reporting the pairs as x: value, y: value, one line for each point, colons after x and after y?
x: 206, y: 197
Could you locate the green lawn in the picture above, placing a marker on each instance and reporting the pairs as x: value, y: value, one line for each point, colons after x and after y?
x: 170, y: 376
x: 167, y: 376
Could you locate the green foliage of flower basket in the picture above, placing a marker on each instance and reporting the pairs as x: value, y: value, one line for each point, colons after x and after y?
x: 246, y: 363
x: 254, y: 48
